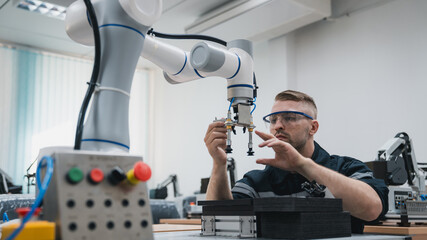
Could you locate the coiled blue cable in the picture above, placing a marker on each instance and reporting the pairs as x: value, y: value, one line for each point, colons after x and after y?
x: 254, y: 105
x: 5, y: 217
x: 231, y: 102
x: 43, y: 187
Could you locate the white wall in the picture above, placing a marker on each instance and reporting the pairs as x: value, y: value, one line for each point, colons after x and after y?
x: 366, y: 73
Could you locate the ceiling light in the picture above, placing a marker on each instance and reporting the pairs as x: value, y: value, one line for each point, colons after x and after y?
x: 47, y: 9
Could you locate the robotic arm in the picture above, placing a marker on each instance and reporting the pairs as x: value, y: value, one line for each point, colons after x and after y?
x: 396, y: 165
x: 398, y: 154
x: 161, y: 192
x: 123, y: 26
x: 234, y: 64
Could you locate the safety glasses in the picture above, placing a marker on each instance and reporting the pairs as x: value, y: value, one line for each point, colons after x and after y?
x: 285, y: 117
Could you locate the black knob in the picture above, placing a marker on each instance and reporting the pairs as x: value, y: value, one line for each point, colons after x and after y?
x: 116, y: 175
x: 228, y: 149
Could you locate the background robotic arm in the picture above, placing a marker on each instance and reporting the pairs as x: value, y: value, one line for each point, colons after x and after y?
x: 396, y: 163
x: 397, y: 166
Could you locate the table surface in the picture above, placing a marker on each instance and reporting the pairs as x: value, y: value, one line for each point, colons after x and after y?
x: 194, y: 226
x: 181, y: 221
x: 174, y: 227
x: 395, y: 229
x: 195, y: 235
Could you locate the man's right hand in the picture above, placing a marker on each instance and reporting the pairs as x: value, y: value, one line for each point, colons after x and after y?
x: 215, y: 140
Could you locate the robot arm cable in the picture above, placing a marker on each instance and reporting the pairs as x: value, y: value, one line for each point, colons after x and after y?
x: 187, y: 36
x: 94, y: 77
x: 231, y: 103
x: 254, y: 105
x: 48, y: 162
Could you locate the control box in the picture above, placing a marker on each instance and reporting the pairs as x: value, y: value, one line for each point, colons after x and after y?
x: 91, y: 197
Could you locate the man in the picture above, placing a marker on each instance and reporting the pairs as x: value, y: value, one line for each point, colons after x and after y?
x: 298, y: 158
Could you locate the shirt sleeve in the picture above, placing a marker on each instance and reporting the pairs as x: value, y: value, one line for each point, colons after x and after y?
x: 358, y: 170
x: 251, y: 184
x: 244, y: 188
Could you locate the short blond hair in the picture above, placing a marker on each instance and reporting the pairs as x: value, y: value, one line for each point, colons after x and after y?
x: 292, y: 95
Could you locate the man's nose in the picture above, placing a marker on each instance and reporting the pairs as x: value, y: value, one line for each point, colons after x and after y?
x: 279, y: 124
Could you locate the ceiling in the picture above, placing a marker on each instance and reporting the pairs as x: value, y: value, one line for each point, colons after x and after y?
x: 23, y: 28
x: 227, y: 19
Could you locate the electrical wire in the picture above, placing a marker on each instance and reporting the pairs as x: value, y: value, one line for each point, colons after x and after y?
x: 254, y: 105
x: 231, y: 102
x: 94, y: 77
x: 187, y: 36
x: 5, y: 217
x: 255, y: 86
x: 42, y: 187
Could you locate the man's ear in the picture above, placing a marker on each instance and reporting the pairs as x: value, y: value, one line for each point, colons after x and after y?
x: 314, y: 127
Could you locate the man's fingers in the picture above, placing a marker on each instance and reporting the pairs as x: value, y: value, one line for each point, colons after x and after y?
x: 265, y: 161
x: 215, y: 127
x: 279, y: 146
x: 266, y: 143
x: 214, y: 136
x: 263, y: 135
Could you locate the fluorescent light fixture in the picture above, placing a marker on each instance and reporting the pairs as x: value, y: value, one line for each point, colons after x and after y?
x: 44, y: 8
x: 258, y: 20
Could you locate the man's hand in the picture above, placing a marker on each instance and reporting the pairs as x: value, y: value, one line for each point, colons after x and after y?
x: 215, y: 140
x: 286, y: 158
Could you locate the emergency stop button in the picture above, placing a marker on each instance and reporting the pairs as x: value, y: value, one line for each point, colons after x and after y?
x: 140, y: 172
x: 96, y: 176
x: 74, y: 175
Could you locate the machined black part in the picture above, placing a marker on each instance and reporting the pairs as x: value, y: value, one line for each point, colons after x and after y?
x: 287, y: 217
x: 250, y: 152
x: 228, y: 149
x: 314, y: 189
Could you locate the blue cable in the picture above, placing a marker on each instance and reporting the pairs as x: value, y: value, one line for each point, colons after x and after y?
x: 43, y: 187
x: 231, y: 102
x: 5, y: 217
x: 254, y: 105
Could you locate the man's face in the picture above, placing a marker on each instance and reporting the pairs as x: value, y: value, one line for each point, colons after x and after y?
x: 291, y: 128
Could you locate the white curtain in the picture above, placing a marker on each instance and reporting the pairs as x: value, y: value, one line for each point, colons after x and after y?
x: 40, y: 98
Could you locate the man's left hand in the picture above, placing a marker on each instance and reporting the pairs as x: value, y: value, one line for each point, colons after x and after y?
x: 286, y: 158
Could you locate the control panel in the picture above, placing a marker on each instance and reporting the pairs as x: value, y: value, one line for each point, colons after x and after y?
x: 98, y: 196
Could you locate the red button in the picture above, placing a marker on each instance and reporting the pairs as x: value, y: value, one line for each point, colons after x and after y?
x: 23, y: 211
x: 96, y: 175
x: 142, y: 171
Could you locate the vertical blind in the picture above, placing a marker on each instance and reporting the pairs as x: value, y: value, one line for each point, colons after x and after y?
x: 40, y: 98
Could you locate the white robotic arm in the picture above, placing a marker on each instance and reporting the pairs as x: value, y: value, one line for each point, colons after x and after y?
x: 123, y: 26
x: 234, y: 64
x: 400, y: 149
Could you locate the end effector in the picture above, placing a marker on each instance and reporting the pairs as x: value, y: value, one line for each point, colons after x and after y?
x: 236, y: 65
x: 233, y: 63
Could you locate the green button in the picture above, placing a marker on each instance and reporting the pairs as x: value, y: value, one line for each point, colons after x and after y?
x: 75, y: 175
